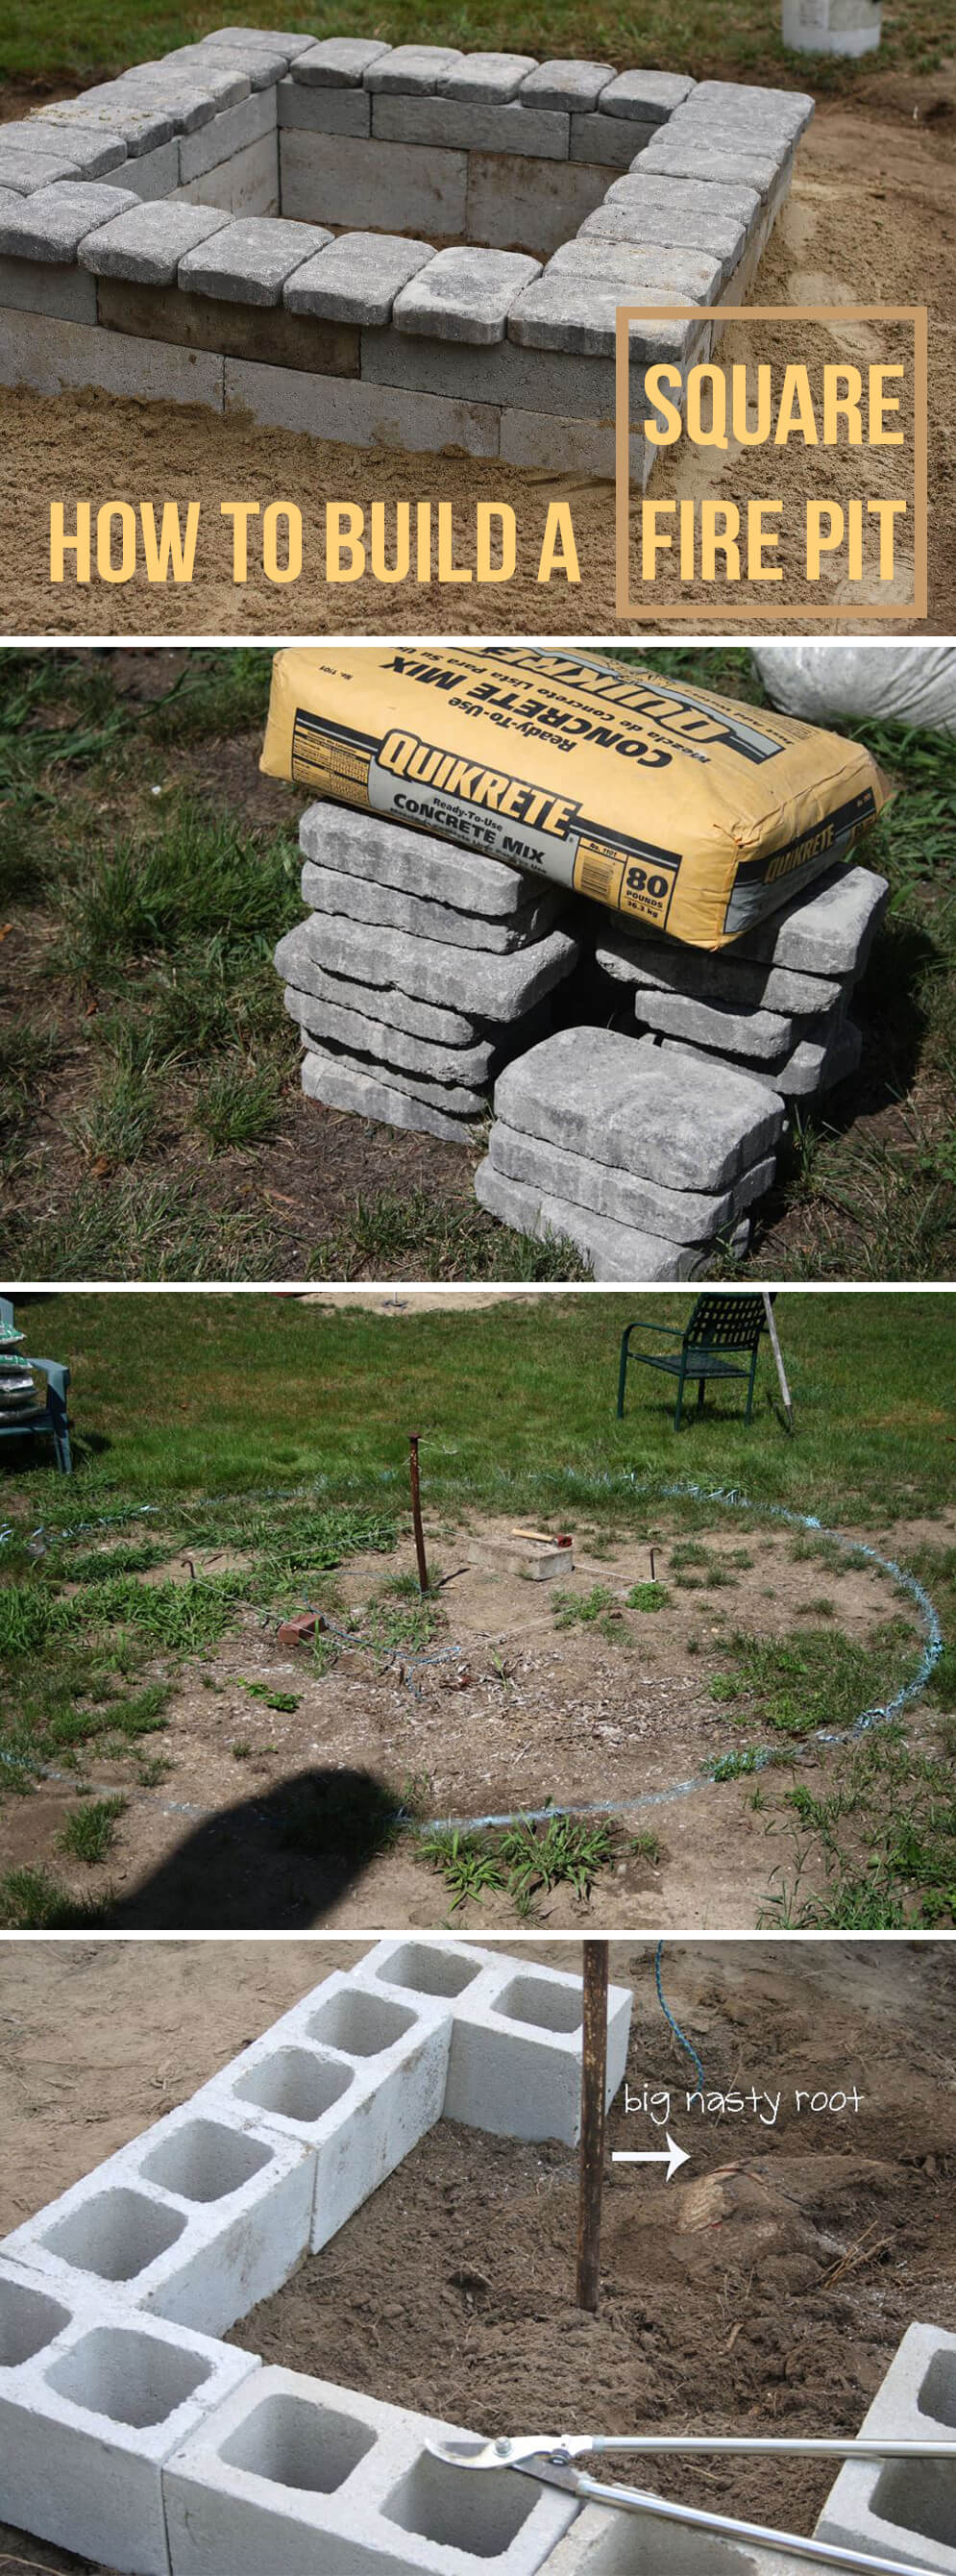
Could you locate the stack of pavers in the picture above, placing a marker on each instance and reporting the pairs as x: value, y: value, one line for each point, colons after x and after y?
x: 418, y: 973
x: 644, y: 1145
x: 776, y: 1001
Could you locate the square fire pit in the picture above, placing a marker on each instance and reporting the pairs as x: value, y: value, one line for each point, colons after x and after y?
x: 185, y: 233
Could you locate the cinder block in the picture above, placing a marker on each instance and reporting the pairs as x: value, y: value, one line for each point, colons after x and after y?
x: 683, y: 1216
x: 276, y: 338
x: 597, y: 1092
x: 37, y: 286
x: 340, y: 1084
x: 542, y: 441
x: 604, y: 2543
x: 324, y: 111
x: 356, y: 2078
x: 523, y: 379
x: 308, y: 2474
x: 904, y: 2508
x: 362, y: 898
x: 614, y: 1252
x: 194, y: 2221
x: 515, y: 2062
x: 228, y: 133
x: 87, y: 2421
x: 246, y: 184
x: 425, y: 1965
x: 47, y: 354
x: 525, y: 131
x: 154, y: 174
x: 519, y: 204
x: 393, y: 187
x: 363, y: 415
x: 608, y: 142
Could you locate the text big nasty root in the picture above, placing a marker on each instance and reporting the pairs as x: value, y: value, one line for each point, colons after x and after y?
x: 425, y: 542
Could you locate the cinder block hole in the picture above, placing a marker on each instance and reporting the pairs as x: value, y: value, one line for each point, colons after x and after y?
x: 115, y: 2235
x: 362, y: 2024
x: 292, y: 2082
x: 918, y: 2495
x: 295, y: 2444
x: 531, y: 1999
x: 28, y: 2320
x: 130, y: 2377
x: 460, y: 2510
x: 203, y: 2161
x: 428, y: 1972
x: 938, y: 2390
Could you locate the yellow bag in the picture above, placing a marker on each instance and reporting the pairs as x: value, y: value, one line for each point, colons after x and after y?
x: 686, y: 812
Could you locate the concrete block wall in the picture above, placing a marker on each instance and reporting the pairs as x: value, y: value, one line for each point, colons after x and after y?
x: 418, y: 971
x: 111, y: 2297
x: 504, y: 209
x: 311, y: 2475
x: 904, y: 2509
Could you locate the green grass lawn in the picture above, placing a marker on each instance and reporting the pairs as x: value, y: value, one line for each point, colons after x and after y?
x: 75, y: 43
x: 151, y: 1124
x: 258, y: 1424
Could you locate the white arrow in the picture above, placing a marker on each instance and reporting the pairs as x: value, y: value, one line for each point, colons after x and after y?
x: 672, y: 2156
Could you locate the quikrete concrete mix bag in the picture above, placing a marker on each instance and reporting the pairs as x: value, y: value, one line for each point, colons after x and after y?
x: 683, y: 811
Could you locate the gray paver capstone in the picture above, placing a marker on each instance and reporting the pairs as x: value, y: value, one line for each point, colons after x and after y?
x: 464, y: 294
x: 357, y: 278
x: 250, y: 261
x: 295, y: 962
x: 338, y: 62
x: 147, y: 242
x: 340, y: 1084
x: 367, y: 845
x: 684, y: 1216
x: 615, y: 1252
x: 414, y: 69
x: 389, y: 1049
x: 571, y: 87
x: 54, y: 221
x: 487, y: 77
x: 470, y: 980
x: 362, y: 899
x: 650, y: 97
x: 597, y: 1093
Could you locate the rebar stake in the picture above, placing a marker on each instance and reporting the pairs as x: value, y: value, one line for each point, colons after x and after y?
x: 593, y: 2088
x: 413, y: 1440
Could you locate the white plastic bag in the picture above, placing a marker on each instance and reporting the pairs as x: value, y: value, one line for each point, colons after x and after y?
x: 911, y: 684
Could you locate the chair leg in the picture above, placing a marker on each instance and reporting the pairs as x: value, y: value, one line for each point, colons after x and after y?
x: 680, y: 1390
x: 750, y: 1388
x: 701, y: 1388
x: 64, y: 1458
x: 622, y: 1374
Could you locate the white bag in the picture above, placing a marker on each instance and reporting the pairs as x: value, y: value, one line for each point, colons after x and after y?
x: 911, y: 684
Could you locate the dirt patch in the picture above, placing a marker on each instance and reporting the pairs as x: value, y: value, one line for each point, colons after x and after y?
x: 869, y: 220
x: 272, y: 1815
x: 764, y: 2293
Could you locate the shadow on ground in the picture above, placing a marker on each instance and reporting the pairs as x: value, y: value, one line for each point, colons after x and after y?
x: 274, y: 1863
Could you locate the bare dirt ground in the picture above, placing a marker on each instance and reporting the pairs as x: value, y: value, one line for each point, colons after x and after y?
x: 763, y: 2291
x: 266, y: 1818
x: 870, y: 220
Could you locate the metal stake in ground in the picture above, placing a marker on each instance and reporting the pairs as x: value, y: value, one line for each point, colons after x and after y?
x: 413, y: 1440
x: 778, y: 1356
x: 593, y: 2089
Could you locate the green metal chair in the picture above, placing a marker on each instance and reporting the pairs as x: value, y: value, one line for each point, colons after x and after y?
x: 722, y: 1340
x: 48, y: 1419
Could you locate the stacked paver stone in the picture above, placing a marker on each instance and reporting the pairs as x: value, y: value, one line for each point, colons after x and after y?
x: 418, y: 971
x: 775, y: 1002
x: 642, y: 1146
x: 185, y: 232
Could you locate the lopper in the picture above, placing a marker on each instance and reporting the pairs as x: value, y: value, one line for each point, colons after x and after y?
x: 552, y: 2458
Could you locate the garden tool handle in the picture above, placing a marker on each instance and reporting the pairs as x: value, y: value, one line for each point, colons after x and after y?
x: 821, y: 2553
